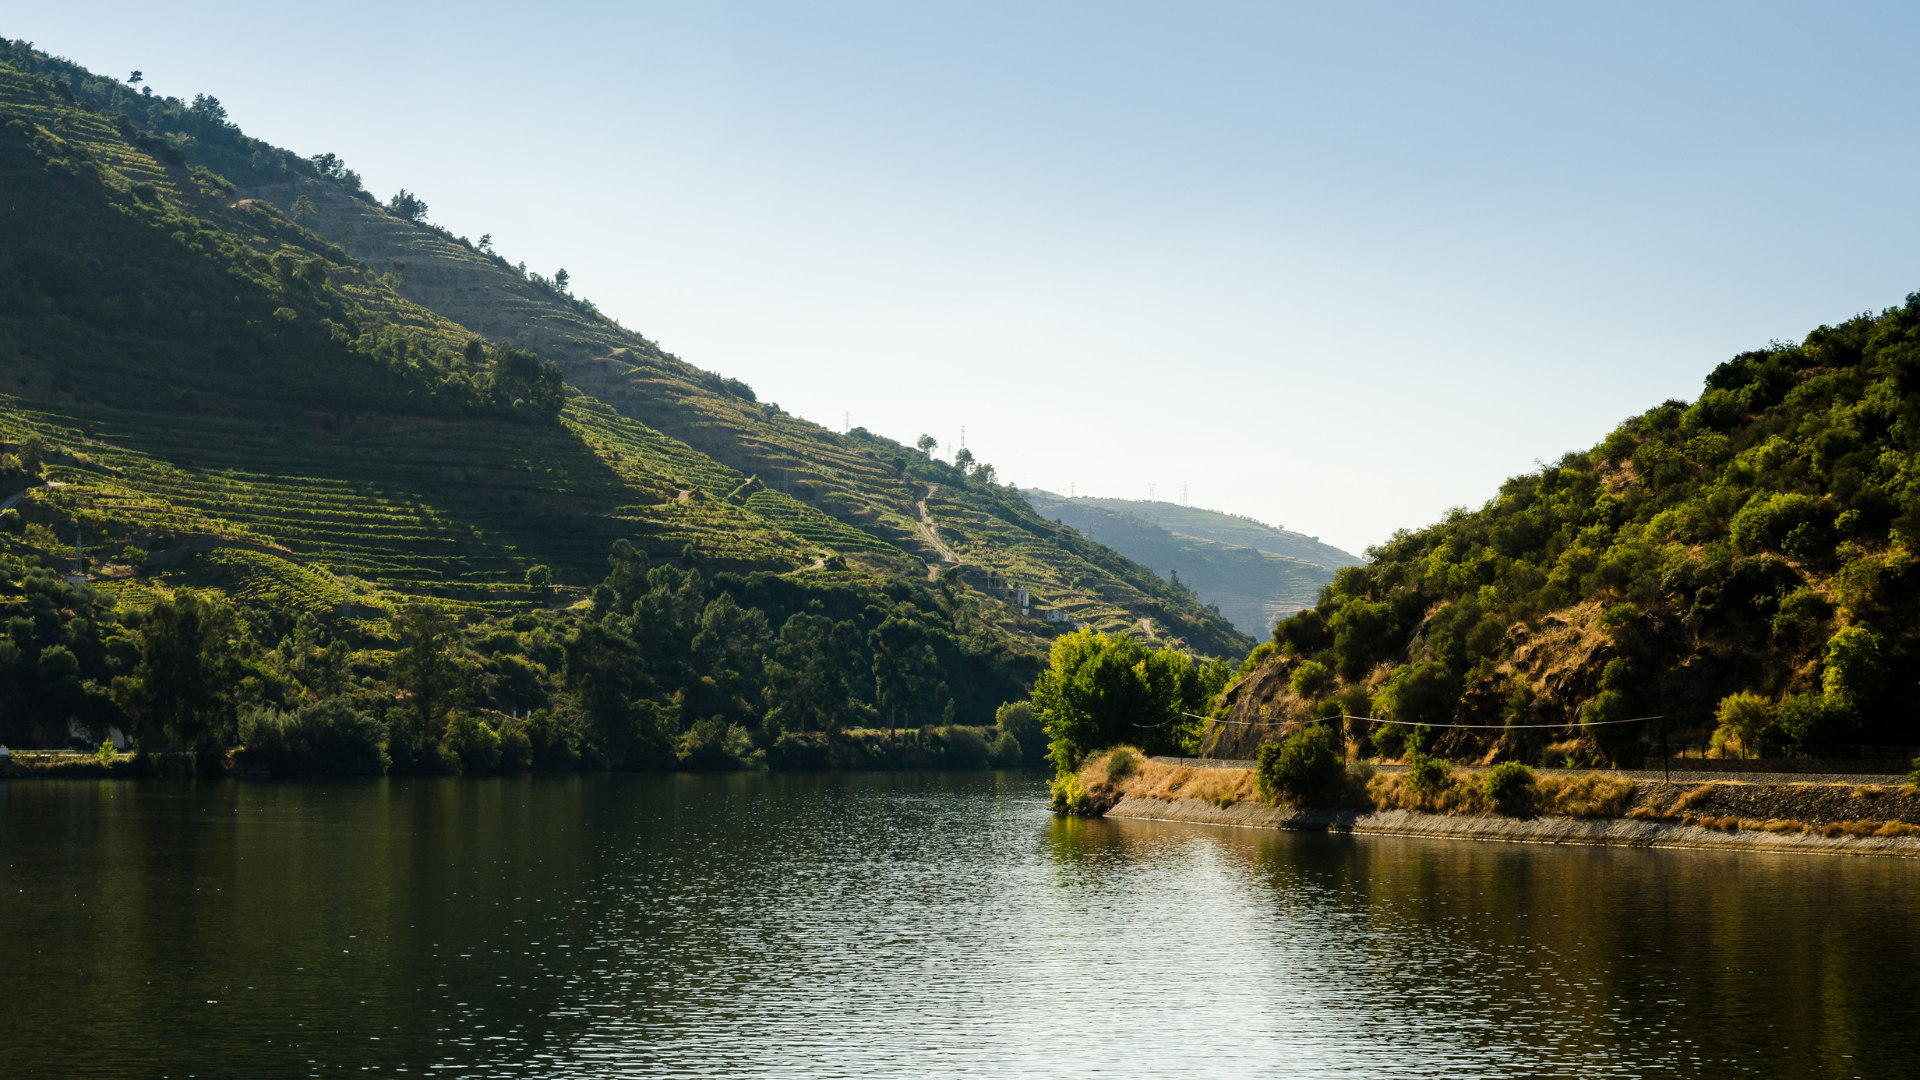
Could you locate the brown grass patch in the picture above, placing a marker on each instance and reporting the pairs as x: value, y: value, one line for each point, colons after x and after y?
x: 1592, y: 795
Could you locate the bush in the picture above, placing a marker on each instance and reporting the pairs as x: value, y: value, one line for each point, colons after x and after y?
x: 1303, y: 766
x: 1744, y: 719
x: 1310, y: 679
x: 1017, y: 719
x: 966, y: 748
x: 1818, y: 719
x: 1853, y: 663
x: 1004, y: 751
x: 1509, y: 783
x: 516, y: 748
x: 1068, y: 796
x: 553, y: 741
x: 1121, y: 763
x: 326, y: 738
x: 12, y: 522
x: 475, y: 743
x: 1426, y: 773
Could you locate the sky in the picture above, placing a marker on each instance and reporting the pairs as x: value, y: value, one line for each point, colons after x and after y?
x: 1335, y: 267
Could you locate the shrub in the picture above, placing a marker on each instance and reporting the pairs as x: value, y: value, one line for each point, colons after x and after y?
x: 1303, y: 766
x: 1121, y: 763
x: 1426, y: 773
x: 325, y: 738
x: 1618, y: 615
x: 516, y: 748
x: 1853, y: 662
x: 1745, y: 719
x: 12, y: 522
x: 1004, y: 751
x: 1914, y: 776
x: 1017, y: 719
x: 1310, y: 679
x: 965, y: 747
x: 554, y: 741
x: 1068, y: 796
x: 1817, y: 719
x: 1771, y: 521
x: 476, y: 744
x: 1509, y: 783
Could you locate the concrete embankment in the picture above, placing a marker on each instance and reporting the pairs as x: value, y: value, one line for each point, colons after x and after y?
x: 1616, y: 832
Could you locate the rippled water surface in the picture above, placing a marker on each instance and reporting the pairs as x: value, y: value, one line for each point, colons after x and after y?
x: 932, y: 924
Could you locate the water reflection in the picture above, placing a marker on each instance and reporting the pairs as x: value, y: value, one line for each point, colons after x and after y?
x: 881, y: 924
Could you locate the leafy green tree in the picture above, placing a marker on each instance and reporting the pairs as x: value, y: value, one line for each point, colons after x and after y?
x: 807, y: 685
x: 560, y: 279
x: 1745, y: 720
x: 424, y: 664
x: 540, y: 577
x: 407, y: 206
x: 1854, y: 664
x: 188, y: 671
x: 1100, y: 690
x: 927, y: 444
x: 906, y: 673
x: 302, y: 209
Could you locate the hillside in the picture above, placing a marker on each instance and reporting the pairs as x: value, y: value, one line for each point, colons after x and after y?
x: 1741, y: 566
x: 1252, y: 573
x: 219, y: 401
x: 813, y: 482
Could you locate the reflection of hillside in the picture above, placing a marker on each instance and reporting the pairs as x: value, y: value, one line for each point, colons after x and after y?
x: 1251, y: 586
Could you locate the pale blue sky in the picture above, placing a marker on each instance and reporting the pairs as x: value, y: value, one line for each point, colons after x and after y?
x: 1338, y: 269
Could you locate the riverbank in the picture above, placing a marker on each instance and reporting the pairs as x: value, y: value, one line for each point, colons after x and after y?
x: 1594, y: 808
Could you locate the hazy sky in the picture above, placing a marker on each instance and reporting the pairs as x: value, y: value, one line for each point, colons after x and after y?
x: 1338, y: 267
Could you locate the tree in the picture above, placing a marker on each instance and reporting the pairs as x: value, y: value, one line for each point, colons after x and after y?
x: 807, y: 685
x: 539, y: 577
x: 424, y: 666
x: 984, y: 473
x: 1099, y: 690
x: 187, y: 672
x: 905, y: 670
x: 560, y: 279
x: 135, y: 79
x: 405, y: 204
x: 486, y: 243
x: 1746, y: 720
x: 928, y: 444
x: 963, y: 459
x: 303, y: 209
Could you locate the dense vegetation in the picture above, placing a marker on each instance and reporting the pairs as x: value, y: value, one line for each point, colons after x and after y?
x: 1741, y: 565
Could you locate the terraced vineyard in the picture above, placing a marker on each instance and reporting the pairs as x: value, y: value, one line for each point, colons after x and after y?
x: 194, y: 429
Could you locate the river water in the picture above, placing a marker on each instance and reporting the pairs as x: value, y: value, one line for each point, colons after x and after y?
x: 892, y: 924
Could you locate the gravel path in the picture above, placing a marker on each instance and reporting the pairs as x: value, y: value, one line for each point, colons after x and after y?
x: 1679, y: 774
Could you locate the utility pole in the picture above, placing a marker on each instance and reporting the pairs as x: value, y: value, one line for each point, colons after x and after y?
x: 1183, y: 493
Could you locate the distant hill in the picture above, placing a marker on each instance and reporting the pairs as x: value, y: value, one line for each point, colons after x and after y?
x: 1253, y: 573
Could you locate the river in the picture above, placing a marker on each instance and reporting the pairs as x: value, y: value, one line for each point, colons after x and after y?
x: 892, y: 924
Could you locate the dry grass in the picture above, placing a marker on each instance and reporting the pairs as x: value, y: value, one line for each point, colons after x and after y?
x: 1592, y: 795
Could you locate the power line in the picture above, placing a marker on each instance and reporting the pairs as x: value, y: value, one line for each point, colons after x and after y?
x: 1415, y: 723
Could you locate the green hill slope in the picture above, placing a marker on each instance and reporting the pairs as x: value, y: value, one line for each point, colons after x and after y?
x: 1253, y: 574
x: 823, y: 483
x: 217, y: 399
x: 1757, y: 541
